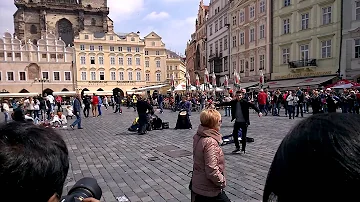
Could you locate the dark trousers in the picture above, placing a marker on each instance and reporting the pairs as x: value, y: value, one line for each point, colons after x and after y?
x: 142, y: 122
x: 86, y: 111
x: 300, y: 108
x: 222, y: 197
x: 263, y: 109
x: 291, y: 111
x: 237, y: 126
x: 118, y: 108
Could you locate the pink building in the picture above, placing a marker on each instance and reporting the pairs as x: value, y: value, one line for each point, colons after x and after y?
x: 250, y: 40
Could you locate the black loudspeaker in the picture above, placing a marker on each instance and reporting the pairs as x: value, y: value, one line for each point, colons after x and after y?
x: 165, y: 125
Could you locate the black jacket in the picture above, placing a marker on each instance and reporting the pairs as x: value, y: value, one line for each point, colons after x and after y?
x: 245, y: 105
x: 143, y: 106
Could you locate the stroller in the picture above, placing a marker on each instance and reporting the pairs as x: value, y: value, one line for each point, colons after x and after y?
x: 183, y: 120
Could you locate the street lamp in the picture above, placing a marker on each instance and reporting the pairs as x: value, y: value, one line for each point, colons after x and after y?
x: 42, y: 81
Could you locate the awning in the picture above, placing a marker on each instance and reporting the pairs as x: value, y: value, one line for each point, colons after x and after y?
x: 298, y: 82
x: 98, y: 92
x: 249, y: 84
x: 151, y: 87
x: 20, y: 95
x: 65, y: 93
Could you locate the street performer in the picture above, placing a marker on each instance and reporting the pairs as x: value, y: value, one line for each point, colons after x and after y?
x: 240, y: 113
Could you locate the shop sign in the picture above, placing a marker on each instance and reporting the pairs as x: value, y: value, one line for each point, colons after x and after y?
x: 303, y: 75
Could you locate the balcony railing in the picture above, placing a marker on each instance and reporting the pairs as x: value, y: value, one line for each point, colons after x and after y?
x: 215, y: 56
x: 303, y: 63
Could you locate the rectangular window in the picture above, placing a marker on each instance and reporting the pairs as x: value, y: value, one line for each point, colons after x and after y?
x: 234, y: 41
x: 121, y: 61
x: 285, y: 55
x: 304, y: 52
x: 100, y: 48
x: 130, y: 76
x: 220, y: 45
x: 82, y: 47
x: 113, y: 76
x: 129, y: 61
x: 357, y: 48
x: 262, y: 6
x: 67, y: 76
x: 22, y: 76
x: 216, y: 26
x: 220, y: 23
x: 101, y: 60
x: 120, y: 49
x: 0, y: 76
x: 286, y: 26
x: 112, y: 60
x: 234, y: 20
x: 252, y: 11
x: 10, y: 76
x: 138, y: 76
x: 234, y: 66
x: 147, y: 77
x: 326, y: 13
x: 242, y: 38
x: 211, y: 49
x: 92, y: 48
x: 252, y: 64
x: 82, y: 60
x: 128, y: 49
x: 56, y: 76
x: 112, y: 48
x: 158, y: 63
x: 102, y: 76
x: 210, y: 29
x: 45, y: 75
x: 137, y: 49
x: 93, y: 76
x: 262, y: 31
x: 157, y: 52
x: 242, y: 16
x: 326, y: 49
x: 252, y: 35
x: 287, y: 3
x: 357, y: 10
x: 225, y: 42
x: 146, y: 52
x: 121, y: 76
x: 83, y: 76
x: 242, y: 68
x: 226, y: 65
x: 147, y: 63
x: 216, y: 47
x: 158, y: 77
x: 137, y: 61
x: 305, y: 21
x: 92, y: 60
x: 262, y: 62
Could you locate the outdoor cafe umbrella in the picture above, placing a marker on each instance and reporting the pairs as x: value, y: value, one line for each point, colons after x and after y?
x: 213, y: 79
x: 226, y: 81
x: 206, y: 73
x: 197, y: 81
x: 261, y: 82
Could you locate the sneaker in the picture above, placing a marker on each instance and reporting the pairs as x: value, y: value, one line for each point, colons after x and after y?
x: 236, y: 150
x: 72, y: 127
x: 80, y: 128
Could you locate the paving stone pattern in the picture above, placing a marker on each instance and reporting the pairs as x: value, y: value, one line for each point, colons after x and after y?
x: 155, y: 166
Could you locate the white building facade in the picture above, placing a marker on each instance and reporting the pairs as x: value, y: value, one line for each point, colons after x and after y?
x: 218, y: 49
x: 350, y: 49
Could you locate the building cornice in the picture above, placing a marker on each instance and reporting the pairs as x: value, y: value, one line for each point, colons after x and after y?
x: 217, y: 15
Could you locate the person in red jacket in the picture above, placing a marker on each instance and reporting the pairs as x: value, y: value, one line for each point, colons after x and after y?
x: 262, y: 98
x: 94, y: 103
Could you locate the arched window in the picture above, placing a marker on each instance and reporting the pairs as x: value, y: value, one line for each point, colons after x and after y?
x: 33, y: 29
x: 93, y: 22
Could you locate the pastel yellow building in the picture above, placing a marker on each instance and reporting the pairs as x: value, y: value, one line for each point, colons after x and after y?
x: 306, y: 38
x: 119, y: 62
x: 175, y: 64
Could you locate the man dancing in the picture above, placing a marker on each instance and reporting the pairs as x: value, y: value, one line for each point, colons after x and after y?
x: 240, y: 113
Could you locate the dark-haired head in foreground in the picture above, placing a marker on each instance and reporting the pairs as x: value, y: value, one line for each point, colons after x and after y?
x: 319, y: 160
x: 33, y: 163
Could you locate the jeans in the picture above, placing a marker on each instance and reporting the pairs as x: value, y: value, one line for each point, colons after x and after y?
x: 78, y: 120
x: 237, y: 126
x: 6, y: 117
x: 227, y: 111
x: 36, y: 114
x: 161, y: 106
x: 118, y: 109
x: 291, y: 111
x: 276, y: 109
x: 202, y: 106
x: 99, y: 109
x: 222, y: 197
x: 299, y: 107
x: 263, y: 108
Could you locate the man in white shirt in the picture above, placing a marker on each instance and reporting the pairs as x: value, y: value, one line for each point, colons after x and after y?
x: 6, y: 110
x: 52, y: 102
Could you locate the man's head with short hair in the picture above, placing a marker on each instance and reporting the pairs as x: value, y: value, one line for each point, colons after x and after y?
x: 33, y: 163
x: 239, y: 95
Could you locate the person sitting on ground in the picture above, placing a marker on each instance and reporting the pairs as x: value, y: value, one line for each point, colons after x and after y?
x: 317, y: 161
x: 34, y: 163
x: 69, y: 111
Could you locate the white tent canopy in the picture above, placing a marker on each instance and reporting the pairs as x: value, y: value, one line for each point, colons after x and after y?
x: 349, y: 85
x: 151, y: 87
x: 98, y: 92
x: 18, y: 95
x: 65, y: 93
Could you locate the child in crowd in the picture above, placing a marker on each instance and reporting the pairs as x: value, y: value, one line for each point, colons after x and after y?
x: 70, y: 113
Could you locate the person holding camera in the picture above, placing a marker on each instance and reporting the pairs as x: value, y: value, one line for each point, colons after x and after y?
x: 34, y: 163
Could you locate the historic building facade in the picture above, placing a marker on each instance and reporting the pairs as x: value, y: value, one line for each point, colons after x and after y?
x: 250, y: 40
x: 190, y: 57
x: 45, y: 67
x: 350, y: 50
x: 217, y: 35
x: 64, y: 18
x: 119, y: 62
x: 200, y: 37
x: 175, y: 64
x: 306, y: 38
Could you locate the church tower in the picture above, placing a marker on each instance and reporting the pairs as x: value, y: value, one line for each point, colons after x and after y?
x: 64, y: 18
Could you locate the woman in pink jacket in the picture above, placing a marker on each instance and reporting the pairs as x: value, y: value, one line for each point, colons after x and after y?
x: 208, y: 180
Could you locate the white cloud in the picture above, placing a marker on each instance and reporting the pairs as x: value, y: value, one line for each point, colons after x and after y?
x: 126, y: 9
x: 157, y: 16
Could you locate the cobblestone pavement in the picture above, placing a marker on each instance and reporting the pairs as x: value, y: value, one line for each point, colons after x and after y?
x: 119, y: 159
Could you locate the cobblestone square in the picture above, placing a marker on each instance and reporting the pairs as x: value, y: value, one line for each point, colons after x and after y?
x: 122, y: 161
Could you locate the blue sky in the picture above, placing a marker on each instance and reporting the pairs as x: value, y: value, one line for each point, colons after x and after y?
x: 173, y: 20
